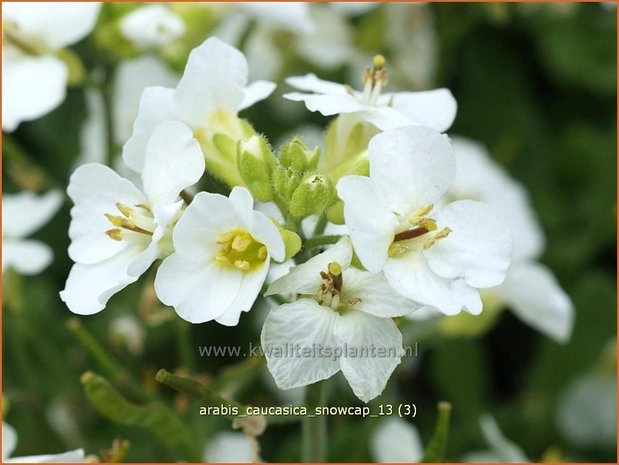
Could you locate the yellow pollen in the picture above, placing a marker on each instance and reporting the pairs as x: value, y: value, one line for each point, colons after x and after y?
x: 124, y: 209
x: 114, y: 219
x: 224, y: 238
x: 240, y: 250
x: 240, y: 243
x: 221, y: 258
x: 242, y: 265
x: 262, y: 253
x: 397, y: 248
x: 428, y: 223
x: 335, y: 268
x: 115, y: 234
x: 379, y: 61
x: 442, y: 234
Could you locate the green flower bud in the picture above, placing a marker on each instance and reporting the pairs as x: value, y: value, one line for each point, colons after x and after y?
x: 292, y: 242
x: 314, y: 194
x: 285, y: 181
x: 296, y: 156
x: 335, y: 212
x: 256, y: 163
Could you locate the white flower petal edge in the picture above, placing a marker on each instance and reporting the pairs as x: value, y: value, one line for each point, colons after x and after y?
x: 215, y: 79
x: 222, y: 253
x: 228, y: 447
x: 107, y: 260
x: 396, y: 441
x: 501, y: 448
x: 9, y: 442
x: 151, y: 26
x: 534, y: 295
x: 435, y: 255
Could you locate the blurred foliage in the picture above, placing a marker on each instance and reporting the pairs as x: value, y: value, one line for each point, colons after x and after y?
x: 536, y: 83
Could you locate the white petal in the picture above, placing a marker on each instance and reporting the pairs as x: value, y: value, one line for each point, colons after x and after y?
x: 151, y: 26
x: 396, y: 441
x: 385, y: 118
x: 249, y: 289
x: 370, y: 222
x: 311, y: 83
x: 377, y: 296
x: 72, y: 456
x: 199, y: 291
x: 264, y: 58
x: 433, y: 108
x: 155, y: 108
x: 55, y: 24
x: 9, y: 440
x: 173, y: 162
x: 288, y: 331
x: 95, y: 189
x: 500, y: 445
x: 263, y: 230
x: 478, y: 249
x: 368, y: 374
x: 328, y: 104
x: 228, y: 447
x: 411, y: 167
x: 305, y: 278
x: 31, y: 87
x: 243, y: 203
x: 289, y: 16
x: 27, y: 257
x: 89, y: 287
x: 130, y: 80
x: 25, y: 212
x: 208, y: 216
x: 215, y: 78
x: 255, y: 92
x: 413, y: 278
x: 480, y: 178
x: 535, y: 296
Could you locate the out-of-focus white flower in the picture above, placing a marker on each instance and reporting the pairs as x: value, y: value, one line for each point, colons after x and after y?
x: 501, y: 448
x: 434, y: 108
x: 228, y: 447
x: 435, y: 255
x: 9, y: 442
x: 530, y: 288
x: 222, y: 253
x: 34, y: 79
x: 117, y: 231
x: 22, y: 214
x: 342, y: 309
x: 212, y: 89
x: 128, y: 330
x: 151, y: 26
x: 396, y: 441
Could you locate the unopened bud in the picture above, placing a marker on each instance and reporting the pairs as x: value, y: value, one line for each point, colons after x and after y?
x: 296, y: 156
x: 314, y: 194
x: 255, y: 164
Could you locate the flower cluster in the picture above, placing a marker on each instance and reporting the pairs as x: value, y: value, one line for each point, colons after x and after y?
x: 413, y: 249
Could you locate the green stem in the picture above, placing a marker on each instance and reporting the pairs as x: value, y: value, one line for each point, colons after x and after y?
x: 314, y: 430
x: 320, y: 225
x: 112, y: 367
x: 107, y: 94
x: 435, y: 452
x: 319, y: 241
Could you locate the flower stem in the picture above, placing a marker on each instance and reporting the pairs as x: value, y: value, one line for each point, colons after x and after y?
x: 314, y: 430
x: 106, y: 93
x: 318, y: 241
x: 435, y: 451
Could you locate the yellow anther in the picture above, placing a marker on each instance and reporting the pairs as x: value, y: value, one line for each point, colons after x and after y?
x: 114, y: 219
x: 240, y: 243
x: 242, y: 265
x: 124, y: 209
x: 397, y: 248
x: 423, y: 211
x: 115, y: 234
x: 335, y: 268
x: 442, y: 234
x: 225, y: 238
x: 222, y: 259
x: 379, y: 61
x: 262, y: 253
x: 428, y: 223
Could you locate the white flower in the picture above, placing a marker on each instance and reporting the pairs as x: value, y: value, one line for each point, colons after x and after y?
x: 434, y: 108
x: 212, y: 89
x: 222, y: 253
x: 396, y: 441
x: 128, y: 331
x: 227, y: 447
x: 342, y: 315
x: 501, y: 448
x: 151, y: 26
x: 34, y: 79
x: 117, y: 230
x: 22, y: 214
x: 435, y: 255
x: 530, y: 289
x: 9, y: 442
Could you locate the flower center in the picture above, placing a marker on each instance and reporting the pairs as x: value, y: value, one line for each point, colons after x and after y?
x: 240, y: 250
x: 330, y: 292
x: 133, y: 224
x: 374, y: 79
x: 11, y: 36
x: 423, y: 234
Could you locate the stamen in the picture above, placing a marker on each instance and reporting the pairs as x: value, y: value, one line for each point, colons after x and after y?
x: 240, y: 243
x: 410, y: 234
x: 262, y: 253
x: 242, y: 265
x: 124, y: 209
x: 442, y: 234
x: 115, y: 234
x: 221, y: 258
x: 224, y: 238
